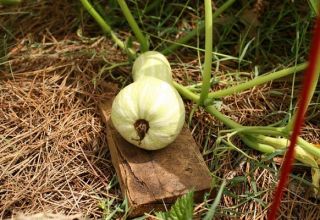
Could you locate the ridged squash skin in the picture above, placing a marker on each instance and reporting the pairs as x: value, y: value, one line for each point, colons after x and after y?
x: 154, y: 101
x: 152, y: 63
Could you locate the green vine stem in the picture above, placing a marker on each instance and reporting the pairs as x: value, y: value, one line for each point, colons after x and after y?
x: 248, y: 133
x: 221, y: 117
x: 257, y: 81
x: 255, y: 130
x: 199, y: 28
x: 254, y: 144
x: 134, y: 26
x: 208, y: 52
x: 310, y: 148
x: 105, y: 27
x: 186, y: 92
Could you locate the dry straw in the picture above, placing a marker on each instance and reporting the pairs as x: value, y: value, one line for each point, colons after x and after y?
x: 53, y: 152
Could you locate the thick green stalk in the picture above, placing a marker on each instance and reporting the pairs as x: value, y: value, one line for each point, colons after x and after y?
x: 186, y: 92
x: 254, y: 130
x: 211, y: 109
x: 257, y: 81
x: 249, y: 137
x: 283, y: 142
x: 310, y: 148
x: 227, y: 121
x: 134, y: 26
x: 105, y: 27
x: 199, y: 28
x: 254, y: 144
x: 208, y: 53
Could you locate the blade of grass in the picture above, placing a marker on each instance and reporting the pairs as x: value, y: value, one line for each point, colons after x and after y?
x: 134, y: 26
x: 106, y: 28
x: 208, y: 52
x: 151, y: 6
x: 314, y: 6
x: 215, y: 203
x: 198, y: 29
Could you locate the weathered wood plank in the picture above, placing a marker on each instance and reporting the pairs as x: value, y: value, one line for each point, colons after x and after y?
x: 152, y: 180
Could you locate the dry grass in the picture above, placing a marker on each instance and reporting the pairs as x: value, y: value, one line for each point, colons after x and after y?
x: 53, y: 152
x: 54, y: 157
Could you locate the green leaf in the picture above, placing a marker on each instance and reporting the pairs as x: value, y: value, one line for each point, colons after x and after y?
x: 129, y: 42
x: 314, y: 5
x: 181, y: 210
x: 215, y: 203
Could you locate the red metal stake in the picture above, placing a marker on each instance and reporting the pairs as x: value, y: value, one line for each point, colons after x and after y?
x: 289, y: 157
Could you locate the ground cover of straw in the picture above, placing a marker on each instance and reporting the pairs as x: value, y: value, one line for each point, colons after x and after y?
x: 53, y: 152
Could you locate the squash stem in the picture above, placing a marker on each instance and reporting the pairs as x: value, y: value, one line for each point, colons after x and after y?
x: 257, y: 81
x: 142, y: 128
x: 247, y: 133
x: 250, y: 141
x: 265, y: 130
x: 186, y: 92
x: 106, y: 28
x: 134, y: 26
x: 199, y: 28
x: 227, y: 121
x: 208, y: 52
x: 310, y: 148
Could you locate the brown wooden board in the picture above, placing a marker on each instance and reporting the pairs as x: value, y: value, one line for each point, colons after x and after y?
x: 153, y: 180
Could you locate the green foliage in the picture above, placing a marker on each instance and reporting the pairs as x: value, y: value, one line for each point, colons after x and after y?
x: 111, y: 209
x: 9, y: 2
x: 215, y: 203
x: 314, y: 6
x: 181, y: 210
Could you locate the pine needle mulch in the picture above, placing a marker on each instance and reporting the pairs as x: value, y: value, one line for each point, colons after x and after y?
x: 53, y: 152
